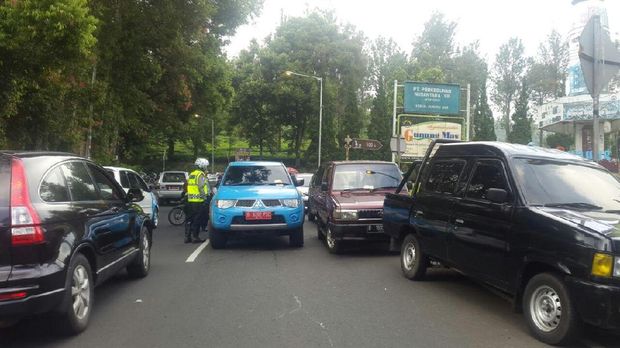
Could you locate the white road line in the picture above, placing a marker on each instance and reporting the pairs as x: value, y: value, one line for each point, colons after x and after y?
x: 197, y: 252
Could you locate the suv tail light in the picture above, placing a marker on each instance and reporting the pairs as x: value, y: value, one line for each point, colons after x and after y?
x: 25, y: 223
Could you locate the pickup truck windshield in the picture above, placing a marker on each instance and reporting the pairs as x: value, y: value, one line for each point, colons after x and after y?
x: 366, y: 176
x: 567, y: 185
x: 256, y: 175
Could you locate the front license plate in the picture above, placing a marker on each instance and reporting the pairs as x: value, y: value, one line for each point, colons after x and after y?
x: 258, y: 215
x: 375, y: 228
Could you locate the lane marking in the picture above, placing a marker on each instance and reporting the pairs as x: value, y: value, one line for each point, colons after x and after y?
x: 194, y: 255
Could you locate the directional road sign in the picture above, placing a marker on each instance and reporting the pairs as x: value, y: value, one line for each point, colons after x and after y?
x: 600, y: 59
x: 398, y: 144
x: 366, y: 144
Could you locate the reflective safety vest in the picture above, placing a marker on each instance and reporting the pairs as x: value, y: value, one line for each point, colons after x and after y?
x: 193, y: 191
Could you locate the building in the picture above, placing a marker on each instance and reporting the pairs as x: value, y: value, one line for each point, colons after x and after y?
x: 573, y: 114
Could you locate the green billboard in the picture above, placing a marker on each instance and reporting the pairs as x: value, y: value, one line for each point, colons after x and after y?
x: 432, y: 98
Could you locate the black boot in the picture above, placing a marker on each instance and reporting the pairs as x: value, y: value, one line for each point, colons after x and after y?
x: 188, y: 235
x: 197, y: 239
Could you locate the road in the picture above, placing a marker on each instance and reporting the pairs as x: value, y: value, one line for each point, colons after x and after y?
x: 261, y: 293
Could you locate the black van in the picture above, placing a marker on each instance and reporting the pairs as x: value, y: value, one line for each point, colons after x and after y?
x: 65, y: 226
x: 538, y: 224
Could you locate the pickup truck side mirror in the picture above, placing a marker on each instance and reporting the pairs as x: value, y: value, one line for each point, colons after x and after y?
x: 497, y: 195
x: 324, y: 186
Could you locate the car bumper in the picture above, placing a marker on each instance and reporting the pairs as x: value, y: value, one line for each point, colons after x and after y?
x: 597, y: 304
x: 359, y: 231
x: 44, y: 287
x: 167, y: 194
x: 232, y: 220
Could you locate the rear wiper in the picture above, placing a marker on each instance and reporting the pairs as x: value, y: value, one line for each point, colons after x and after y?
x: 575, y: 205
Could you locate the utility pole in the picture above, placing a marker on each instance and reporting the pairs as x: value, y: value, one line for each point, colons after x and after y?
x: 394, y: 134
x: 89, y: 138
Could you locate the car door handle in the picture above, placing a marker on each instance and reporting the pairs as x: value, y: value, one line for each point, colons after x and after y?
x: 459, y: 221
x: 419, y: 213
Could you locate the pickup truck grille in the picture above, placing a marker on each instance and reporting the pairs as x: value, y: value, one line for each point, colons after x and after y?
x: 245, y: 203
x: 275, y: 219
x: 371, y: 214
x: 271, y: 202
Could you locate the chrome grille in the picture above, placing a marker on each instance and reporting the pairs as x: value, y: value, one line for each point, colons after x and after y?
x: 247, y: 203
x: 271, y: 202
x: 370, y: 214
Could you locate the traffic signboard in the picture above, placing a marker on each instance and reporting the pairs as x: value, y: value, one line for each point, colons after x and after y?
x: 398, y: 145
x: 432, y: 98
x: 366, y: 144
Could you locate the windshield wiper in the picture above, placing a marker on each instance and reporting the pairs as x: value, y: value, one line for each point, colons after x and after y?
x: 382, y: 188
x: 356, y: 189
x: 382, y: 173
x: 574, y: 205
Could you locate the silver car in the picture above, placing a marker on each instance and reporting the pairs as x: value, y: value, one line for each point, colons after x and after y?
x: 170, y: 185
x: 307, y: 177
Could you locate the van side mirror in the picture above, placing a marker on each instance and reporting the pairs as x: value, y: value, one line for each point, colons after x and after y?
x: 134, y: 195
x: 300, y: 182
x: 324, y: 186
x: 497, y: 195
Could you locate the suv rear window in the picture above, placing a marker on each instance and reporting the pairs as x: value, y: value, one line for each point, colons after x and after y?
x: 53, y: 187
x: 173, y: 177
x: 79, y: 181
x: 5, y: 178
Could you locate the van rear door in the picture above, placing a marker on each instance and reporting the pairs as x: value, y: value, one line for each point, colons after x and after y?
x: 5, y: 217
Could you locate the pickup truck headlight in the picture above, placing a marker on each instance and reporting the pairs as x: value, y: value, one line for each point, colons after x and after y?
x: 602, y: 265
x: 225, y: 203
x: 345, y: 215
x: 290, y: 203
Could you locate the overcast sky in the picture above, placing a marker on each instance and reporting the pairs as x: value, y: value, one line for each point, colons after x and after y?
x: 491, y: 22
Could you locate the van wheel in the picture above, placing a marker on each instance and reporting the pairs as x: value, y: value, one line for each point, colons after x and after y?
x: 296, y: 238
x: 75, y: 309
x: 217, y: 238
x: 140, y: 266
x: 334, y: 246
x: 413, y: 262
x: 549, y: 310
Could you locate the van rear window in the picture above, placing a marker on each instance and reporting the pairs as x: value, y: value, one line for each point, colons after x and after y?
x: 173, y: 177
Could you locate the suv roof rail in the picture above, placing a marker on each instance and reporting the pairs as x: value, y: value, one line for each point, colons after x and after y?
x: 22, y: 153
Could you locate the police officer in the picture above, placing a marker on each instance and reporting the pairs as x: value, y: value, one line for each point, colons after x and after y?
x: 197, y: 201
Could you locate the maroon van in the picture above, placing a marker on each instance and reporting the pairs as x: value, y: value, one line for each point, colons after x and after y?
x: 346, y: 199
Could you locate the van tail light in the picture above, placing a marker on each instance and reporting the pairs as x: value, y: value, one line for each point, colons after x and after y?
x: 25, y: 222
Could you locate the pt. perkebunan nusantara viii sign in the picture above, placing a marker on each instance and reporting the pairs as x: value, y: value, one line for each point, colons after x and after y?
x: 432, y: 98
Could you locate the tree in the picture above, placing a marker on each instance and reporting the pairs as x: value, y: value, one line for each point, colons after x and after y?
x: 558, y: 139
x: 547, y: 73
x: 433, y: 51
x: 507, y: 77
x: 522, y: 129
x: 484, y: 123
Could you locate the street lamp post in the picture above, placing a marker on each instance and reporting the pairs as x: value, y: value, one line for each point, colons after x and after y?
x: 212, y: 143
x: 320, y: 79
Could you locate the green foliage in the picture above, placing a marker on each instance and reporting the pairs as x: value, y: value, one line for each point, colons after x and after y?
x: 547, y: 74
x: 507, y: 77
x: 521, y: 132
x: 484, y: 123
x: 559, y: 139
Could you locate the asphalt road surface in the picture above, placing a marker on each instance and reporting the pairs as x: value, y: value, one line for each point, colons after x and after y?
x: 261, y: 293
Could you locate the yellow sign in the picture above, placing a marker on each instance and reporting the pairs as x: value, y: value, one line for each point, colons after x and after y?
x: 419, y: 136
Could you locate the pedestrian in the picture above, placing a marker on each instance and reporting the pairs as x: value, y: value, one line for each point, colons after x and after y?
x: 197, y: 201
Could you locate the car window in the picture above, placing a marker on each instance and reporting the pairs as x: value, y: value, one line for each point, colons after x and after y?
x: 137, y: 182
x: 487, y: 174
x: 173, y: 177
x: 106, y: 187
x: 80, y: 183
x: 256, y: 175
x: 444, y: 176
x: 124, y: 179
x: 53, y: 187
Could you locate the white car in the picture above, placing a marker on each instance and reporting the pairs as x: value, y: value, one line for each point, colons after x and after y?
x: 170, y: 186
x: 307, y: 177
x: 128, y: 178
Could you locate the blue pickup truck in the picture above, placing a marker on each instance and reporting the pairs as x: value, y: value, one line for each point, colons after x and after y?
x: 256, y: 198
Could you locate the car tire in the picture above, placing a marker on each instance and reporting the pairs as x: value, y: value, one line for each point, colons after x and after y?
x: 296, y: 238
x: 549, y: 311
x: 334, y: 245
x: 79, y: 292
x: 311, y: 217
x: 217, y: 238
x: 413, y: 262
x: 140, y: 266
x: 319, y: 233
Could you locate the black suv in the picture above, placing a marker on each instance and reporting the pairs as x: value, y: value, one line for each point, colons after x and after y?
x: 540, y: 225
x: 65, y: 226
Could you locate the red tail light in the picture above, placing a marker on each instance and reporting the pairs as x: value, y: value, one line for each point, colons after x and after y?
x: 25, y: 223
x: 13, y: 296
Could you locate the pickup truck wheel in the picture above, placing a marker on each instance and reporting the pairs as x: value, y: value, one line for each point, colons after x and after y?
x: 549, y: 310
x: 334, y: 246
x: 296, y: 238
x: 413, y: 262
x: 217, y: 238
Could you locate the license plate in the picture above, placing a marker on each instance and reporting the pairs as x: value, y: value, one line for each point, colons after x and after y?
x: 174, y: 187
x: 375, y: 228
x: 258, y: 215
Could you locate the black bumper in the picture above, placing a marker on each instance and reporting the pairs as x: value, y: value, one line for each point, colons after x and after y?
x: 33, y: 304
x: 597, y: 304
x: 366, y: 231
